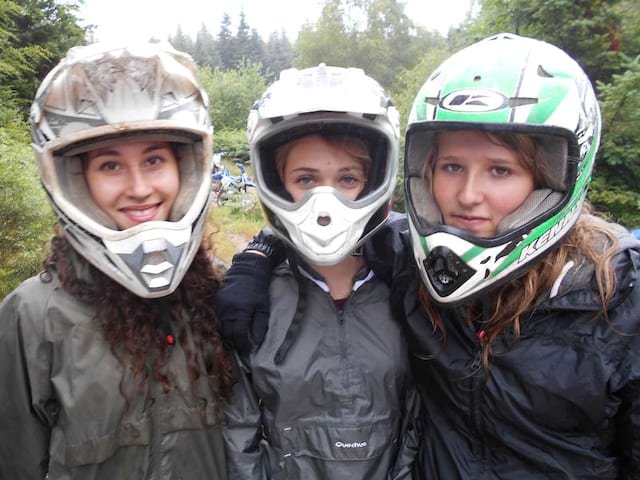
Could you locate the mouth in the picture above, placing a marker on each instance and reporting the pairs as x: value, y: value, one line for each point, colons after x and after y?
x: 468, y: 222
x: 469, y: 218
x: 141, y: 213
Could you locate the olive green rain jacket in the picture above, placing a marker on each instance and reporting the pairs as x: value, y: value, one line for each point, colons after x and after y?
x: 339, y: 404
x: 66, y: 413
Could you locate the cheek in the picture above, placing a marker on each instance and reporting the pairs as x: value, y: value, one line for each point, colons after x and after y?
x: 170, y: 181
x: 351, y: 193
x: 101, y: 190
x: 292, y: 189
x: 506, y: 201
x: 440, y: 190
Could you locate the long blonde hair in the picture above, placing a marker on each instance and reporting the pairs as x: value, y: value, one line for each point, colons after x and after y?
x: 591, y: 240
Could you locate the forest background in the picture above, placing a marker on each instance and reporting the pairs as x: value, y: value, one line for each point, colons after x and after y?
x: 236, y: 65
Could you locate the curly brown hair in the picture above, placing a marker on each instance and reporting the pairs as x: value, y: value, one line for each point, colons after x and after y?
x: 134, y: 326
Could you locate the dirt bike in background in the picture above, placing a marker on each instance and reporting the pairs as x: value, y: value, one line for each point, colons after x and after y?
x: 224, y: 183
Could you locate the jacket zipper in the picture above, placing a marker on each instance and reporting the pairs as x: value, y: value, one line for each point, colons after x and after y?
x: 344, y: 351
x: 476, y: 394
x: 343, y: 347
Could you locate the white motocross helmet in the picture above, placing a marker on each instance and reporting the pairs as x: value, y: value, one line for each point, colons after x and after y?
x: 324, y: 226
x: 101, y: 95
x: 504, y: 83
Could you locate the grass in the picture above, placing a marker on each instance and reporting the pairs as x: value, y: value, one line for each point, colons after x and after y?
x: 233, y: 225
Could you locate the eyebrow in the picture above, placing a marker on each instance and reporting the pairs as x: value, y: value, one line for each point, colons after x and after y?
x: 311, y: 169
x: 491, y: 159
x: 150, y: 148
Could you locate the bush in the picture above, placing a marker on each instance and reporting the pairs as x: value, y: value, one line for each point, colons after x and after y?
x: 26, y: 219
x: 232, y: 144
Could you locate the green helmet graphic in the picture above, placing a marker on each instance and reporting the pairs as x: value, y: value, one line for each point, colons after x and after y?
x: 503, y: 84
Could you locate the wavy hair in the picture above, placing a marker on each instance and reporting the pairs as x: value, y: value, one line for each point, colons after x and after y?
x: 134, y: 327
x: 591, y: 240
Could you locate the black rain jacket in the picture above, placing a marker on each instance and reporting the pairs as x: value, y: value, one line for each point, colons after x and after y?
x: 560, y: 402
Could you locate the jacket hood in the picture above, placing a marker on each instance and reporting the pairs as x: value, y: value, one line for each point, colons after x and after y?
x: 576, y: 288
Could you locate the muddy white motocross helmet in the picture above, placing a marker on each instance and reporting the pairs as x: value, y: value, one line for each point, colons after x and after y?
x: 325, y: 226
x: 100, y: 95
x: 504, y: 83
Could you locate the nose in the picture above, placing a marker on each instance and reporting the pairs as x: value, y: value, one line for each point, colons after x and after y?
x: 138, y: 185
x: 471, y: 191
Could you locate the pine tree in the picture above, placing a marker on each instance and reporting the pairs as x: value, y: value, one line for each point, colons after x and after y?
x: 205, y: 49
x: 225, y: 42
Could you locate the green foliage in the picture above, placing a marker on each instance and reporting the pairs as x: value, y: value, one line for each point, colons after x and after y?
x: 585, y: 29
x: 205, y: 50
x: 410, y: 81
x: 34, y: 36
x: 329, y: 40
x: 375, y: 35
x: 628, y: 33
x: 278, y: 54
x: 25, y: 217
x: 232, y: 144
x: 183, y: 42
x: 232, y: 93
x: 618, y: 169
x: 620, y: 202
x: 225, y: 42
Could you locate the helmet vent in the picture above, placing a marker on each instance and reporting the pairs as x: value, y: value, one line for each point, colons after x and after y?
x: 477, y: 78
x: 435, y: 75
x: 543, y: 73
x: 446, y: 270
x: 324, y: 220
x: 520, y: 101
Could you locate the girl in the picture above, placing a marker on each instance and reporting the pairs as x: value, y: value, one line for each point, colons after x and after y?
x: 525, y: 327
x: 111, y: 360
x: 328, y: 394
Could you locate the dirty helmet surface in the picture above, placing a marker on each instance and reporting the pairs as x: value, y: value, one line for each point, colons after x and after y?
x: 503, y: 84
x: 325, y: 226
x: 102, y: 95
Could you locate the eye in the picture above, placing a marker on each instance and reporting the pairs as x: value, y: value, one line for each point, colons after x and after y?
x: 351, y: 181
x: 154, y: 161
x: 109, y: 166
x: 501, y: 171
x: 304, y: 180
x: 451, y: 167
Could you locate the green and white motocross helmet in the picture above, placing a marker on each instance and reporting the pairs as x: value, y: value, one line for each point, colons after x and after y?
x: 504, y: 83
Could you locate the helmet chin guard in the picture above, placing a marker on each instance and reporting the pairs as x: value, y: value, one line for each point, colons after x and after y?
x: 504, y: 84
x: 102, y: 95
x: 322, y: 226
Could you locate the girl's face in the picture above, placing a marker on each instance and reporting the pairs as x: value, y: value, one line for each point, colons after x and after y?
x: 476, y: 182
x: 133, y: 182
x: 313, y: 162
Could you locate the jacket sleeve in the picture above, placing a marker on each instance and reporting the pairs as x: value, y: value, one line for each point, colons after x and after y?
x: 628, y: 434
x: 26, y: 413
x: 247, y: 450
x: 386, y: 252
x: 410, y: 436
x: 626, y: 383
